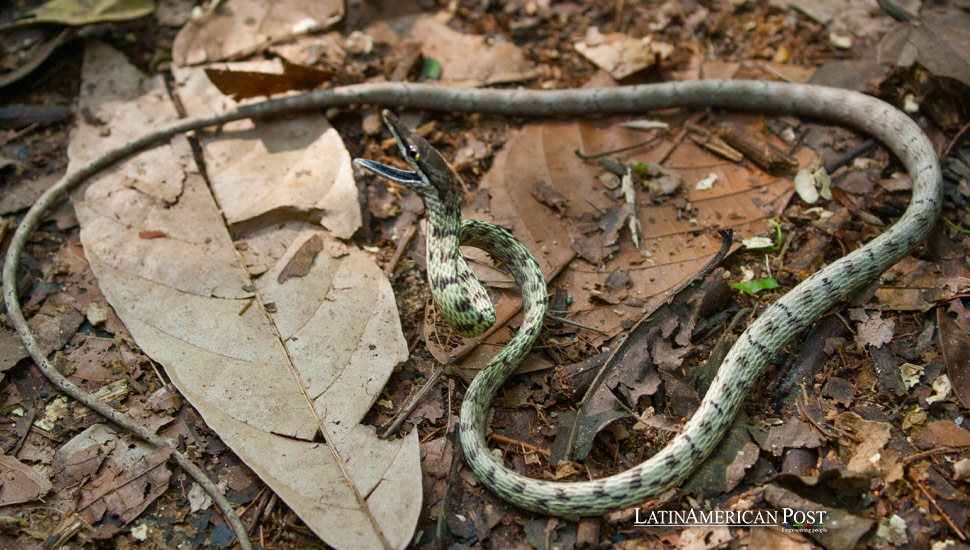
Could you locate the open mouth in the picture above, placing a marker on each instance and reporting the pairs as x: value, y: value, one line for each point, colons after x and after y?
x: 406, y: 177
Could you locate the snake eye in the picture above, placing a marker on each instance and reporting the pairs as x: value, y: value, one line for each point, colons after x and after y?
x: 414, y: 154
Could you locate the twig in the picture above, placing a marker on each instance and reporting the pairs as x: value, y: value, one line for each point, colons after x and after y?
x: 260, y: 503
x: 70, y: 525
x: 773, y: 72
x: 523, y: 444
x: 401, y: 247
x: 727, y: 237
x: 407, y: 409
x: 848, y: 326
x: 29, y: 422
x: 23, y: 131
x: 833, y: 432
x: 271, y: 505
x: 615, y: 451
x: 451, y: 484
x: 705, y: 373
x: 44, y: 434
x: 946, y: 517
x: 618, y: 16
x: 923, y: 454
x: 590, y: 156
x: 15, y: 317
x: 955, y: 140
x: 560, y: 319
x: 713, y: 143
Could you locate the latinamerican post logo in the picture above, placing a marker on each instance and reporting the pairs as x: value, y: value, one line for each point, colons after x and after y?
x: 789, y: 519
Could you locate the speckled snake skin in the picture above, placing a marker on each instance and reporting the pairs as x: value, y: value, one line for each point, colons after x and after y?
x: 466, y: 306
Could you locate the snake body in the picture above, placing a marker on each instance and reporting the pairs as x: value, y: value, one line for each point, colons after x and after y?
x: 465, y: 305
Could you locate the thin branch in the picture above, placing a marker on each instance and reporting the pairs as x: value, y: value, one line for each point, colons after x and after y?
x: 412, y: 404
x: 523, y: 444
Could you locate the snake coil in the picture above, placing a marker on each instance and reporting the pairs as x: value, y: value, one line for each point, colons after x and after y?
x: 466, y: 306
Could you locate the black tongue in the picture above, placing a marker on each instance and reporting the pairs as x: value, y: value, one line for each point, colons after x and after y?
x: 405, y: 177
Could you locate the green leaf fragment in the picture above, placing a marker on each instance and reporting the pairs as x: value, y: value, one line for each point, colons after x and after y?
x: 779, y: 238
x: 431, y: 69
x: 86, y: 12
x: 755, y: 286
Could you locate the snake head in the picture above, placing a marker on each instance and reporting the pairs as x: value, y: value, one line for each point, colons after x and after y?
x: 430, y: 176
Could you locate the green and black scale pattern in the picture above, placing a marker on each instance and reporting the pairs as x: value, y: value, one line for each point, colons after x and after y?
x: 465, y: 305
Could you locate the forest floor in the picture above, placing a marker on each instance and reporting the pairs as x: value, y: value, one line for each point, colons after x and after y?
x: 862, y: 420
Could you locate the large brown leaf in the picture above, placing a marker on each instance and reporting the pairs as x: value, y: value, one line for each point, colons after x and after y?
x: 674, y: 246
x: 283, y: 372
x: 242, y: 27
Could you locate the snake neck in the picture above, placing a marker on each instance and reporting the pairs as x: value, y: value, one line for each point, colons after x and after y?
x: 459, y: 294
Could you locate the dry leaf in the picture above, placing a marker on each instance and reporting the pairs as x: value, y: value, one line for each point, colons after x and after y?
x: 704, y: 538
x: 468, y: 59
x: 81, y: 457
x: 268, y: 382
x: 941, y: 433
x: 19, y: 482
x: 132, y: 477
x: 918, y: 285
x: 119, y: 476
x: 955, y: 343
x: 874, y: 330
x: 198, y: 498
x: 870, y: 454
x: 301, y: 262
x: 622, y: 55
x: 286, y: 169
x: 701, y: 67
x: 940, y: 43
x: 674, y: 245
x: 793, y: 434
x: 88, y: 12
x: 12, y: 350
x: 318, y: 50
x: 90, y: 360
x: 744, y: 459
x: 34, y: 56
x: 850, y: 528
x: 245, y: 26
x: 777, y: 540
x: 247, y: 84
x: 465, y: 59
x: 863, y: 17
x: 57, y: 321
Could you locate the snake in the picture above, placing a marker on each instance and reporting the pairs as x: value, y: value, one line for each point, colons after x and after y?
x: 465, y: 305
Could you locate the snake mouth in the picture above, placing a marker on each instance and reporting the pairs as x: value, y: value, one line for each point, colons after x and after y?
x: 405, y: 177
